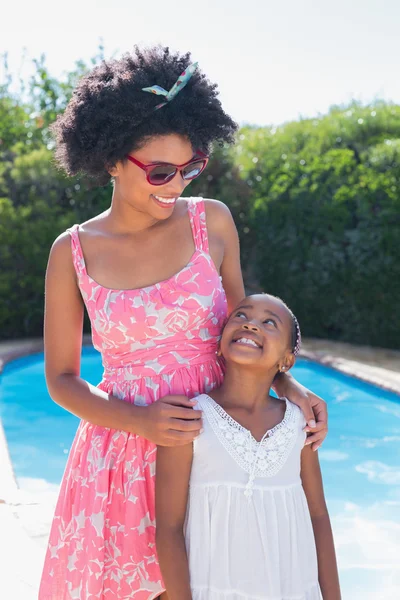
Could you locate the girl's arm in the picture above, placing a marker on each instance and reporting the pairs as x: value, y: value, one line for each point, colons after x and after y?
x: 165, y: 422
x: 224, y: 248
x: 312, y: 483
x: 172, y: 486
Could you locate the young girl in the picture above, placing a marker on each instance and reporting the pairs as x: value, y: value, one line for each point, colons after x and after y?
x: 233, y: 508
x: 156, y: 274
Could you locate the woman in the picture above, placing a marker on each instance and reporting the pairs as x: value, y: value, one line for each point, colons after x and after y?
x: 157, y: 275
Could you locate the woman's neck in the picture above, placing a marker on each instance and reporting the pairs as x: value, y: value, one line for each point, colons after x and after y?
x: 125, y: 218
x: 245, y: 387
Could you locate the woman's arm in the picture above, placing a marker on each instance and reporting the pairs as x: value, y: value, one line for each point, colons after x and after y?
x: 169, y: 421
x: 225, y: 251
x: 172, y: 485
x: 313, y: 488
x: 313, y: 407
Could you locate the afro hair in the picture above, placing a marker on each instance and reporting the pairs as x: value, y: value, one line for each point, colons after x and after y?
x: 109, y: 115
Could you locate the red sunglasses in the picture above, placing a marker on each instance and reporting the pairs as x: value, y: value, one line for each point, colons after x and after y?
x: 161, y: 173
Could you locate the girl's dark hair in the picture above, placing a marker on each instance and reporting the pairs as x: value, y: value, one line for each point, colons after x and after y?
x: 109, y: 115
x: 295, y: 341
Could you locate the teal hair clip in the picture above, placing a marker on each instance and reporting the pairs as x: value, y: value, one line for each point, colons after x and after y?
x: 176, y: 88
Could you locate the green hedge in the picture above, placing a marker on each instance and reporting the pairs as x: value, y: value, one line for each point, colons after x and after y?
x: 26, y: 235
x: 325, y: 220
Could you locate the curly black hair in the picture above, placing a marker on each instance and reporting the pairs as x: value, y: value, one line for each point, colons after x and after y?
x: 109, y: 115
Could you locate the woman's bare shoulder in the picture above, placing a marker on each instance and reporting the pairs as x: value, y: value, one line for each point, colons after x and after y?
x: 218, y: 214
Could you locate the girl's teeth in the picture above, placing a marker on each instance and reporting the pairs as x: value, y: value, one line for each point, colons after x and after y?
x: 247, y: 341
x: 165, y: 200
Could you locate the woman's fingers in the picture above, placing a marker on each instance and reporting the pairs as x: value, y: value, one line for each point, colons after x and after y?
x: 318, y: 427
x: 182, y: 425
x: 189, y: 414
x: 178, y: 400
x: 180, y: 407
x: 318, y: 423
x: 316, y: 439
x: 319, y: 430
x: 319, y: 408
x: 307, y: 410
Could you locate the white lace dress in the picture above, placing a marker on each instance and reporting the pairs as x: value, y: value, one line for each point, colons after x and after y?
x: 248, y: 529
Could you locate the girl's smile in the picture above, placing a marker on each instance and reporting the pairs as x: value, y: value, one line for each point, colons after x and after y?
x: 248, y: 341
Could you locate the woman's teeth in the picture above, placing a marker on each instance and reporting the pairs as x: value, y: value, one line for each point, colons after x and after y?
x: 165, y: 200
x: 247, y: 341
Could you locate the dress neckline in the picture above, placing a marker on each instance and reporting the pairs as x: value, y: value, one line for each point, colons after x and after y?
x: 197, y: 252
x: 267, y: 435
x: 139, y: 289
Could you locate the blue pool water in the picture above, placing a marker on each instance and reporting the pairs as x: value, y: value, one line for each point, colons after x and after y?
x: 360, y: 461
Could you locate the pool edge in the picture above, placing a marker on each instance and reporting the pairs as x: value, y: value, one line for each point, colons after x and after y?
x: 15, y: 349
x: 380, y: 377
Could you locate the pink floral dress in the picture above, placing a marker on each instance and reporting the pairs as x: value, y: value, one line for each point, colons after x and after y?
x: 154, y: 341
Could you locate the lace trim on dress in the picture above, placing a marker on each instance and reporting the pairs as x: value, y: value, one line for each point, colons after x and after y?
x: 259, y: 459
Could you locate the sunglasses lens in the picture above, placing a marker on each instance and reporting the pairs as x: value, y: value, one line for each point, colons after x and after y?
x: 193, y: 170
x: 161, y: 174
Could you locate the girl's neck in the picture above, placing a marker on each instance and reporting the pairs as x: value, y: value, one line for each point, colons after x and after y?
x: 245, y: 387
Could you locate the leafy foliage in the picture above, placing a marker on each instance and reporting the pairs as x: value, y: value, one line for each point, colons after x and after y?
x: 326, y: 220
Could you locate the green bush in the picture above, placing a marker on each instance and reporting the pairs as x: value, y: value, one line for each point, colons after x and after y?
x: 26, y: 234
x: 326, y: 220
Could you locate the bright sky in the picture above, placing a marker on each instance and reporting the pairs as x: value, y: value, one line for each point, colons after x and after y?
x: 274, y: 60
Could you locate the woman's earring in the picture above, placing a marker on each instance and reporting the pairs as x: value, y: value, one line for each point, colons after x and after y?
x: 283, y: 369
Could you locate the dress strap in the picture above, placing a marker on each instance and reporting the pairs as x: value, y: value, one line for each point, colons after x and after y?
x: 77, y: 254
x: 197, y: 215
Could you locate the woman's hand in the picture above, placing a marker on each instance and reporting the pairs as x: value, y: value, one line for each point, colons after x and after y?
x: 316, y: 407
x: 171, y: 421
x: 313, y: 407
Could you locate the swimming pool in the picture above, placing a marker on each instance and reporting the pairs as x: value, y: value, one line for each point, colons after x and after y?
x: 360, y: 461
